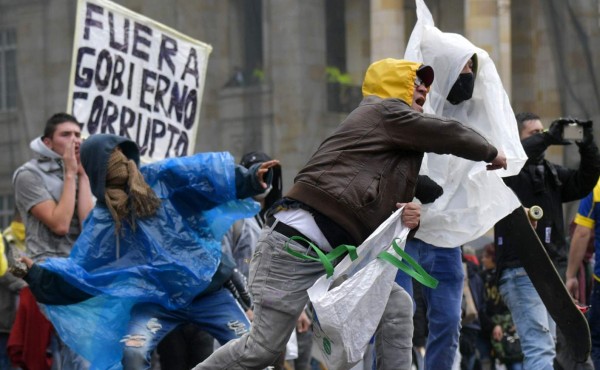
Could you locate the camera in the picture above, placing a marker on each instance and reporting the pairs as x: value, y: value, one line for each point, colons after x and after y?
x: 573, y: 131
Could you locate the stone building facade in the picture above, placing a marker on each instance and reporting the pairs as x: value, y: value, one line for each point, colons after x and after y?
x: 283, y: 73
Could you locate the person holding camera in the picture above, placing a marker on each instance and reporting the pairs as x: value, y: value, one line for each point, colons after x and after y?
x: 547, y: 185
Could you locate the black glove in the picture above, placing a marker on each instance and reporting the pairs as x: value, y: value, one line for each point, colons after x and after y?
x: 427, y: 190
x: 554, y: 134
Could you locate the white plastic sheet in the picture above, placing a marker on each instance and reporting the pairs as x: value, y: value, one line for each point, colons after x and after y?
x: 347, y: 315
x: 474, y: 199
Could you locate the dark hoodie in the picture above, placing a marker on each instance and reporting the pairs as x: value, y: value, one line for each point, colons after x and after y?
x: 95, y: 153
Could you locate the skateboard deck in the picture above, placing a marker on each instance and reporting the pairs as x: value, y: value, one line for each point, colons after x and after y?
x: 550, y: 287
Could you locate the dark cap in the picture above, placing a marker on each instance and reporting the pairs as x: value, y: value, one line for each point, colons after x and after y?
x: 425, y: 73
x: 254, y: 157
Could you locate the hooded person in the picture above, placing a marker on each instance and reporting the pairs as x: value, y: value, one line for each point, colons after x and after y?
x: 358, y: 176
x: 53, y: 221
x: 466, y: 88
x: 149, y: 253
x: 53, y: 196
x: 479, y: 101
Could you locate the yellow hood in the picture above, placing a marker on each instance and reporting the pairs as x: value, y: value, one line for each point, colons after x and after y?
x: 391, y: 78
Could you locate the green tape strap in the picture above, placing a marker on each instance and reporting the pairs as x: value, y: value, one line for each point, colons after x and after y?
x: 325, y: 259
x: 409, y: 266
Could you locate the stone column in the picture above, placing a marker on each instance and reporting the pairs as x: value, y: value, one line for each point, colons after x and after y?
x: 388, y: 37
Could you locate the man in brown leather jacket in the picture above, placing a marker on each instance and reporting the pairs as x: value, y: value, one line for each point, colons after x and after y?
x: 359, y: 175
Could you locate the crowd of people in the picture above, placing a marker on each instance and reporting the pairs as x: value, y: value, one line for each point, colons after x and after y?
x: 109, y: 264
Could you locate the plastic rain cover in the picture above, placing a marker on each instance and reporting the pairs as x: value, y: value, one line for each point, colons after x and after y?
x: 474, y: 199
x: 168, y: 259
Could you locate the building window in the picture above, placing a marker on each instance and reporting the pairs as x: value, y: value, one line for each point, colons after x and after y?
x: 342, y: 94
x: 335, y: 34
x: 8, y: 69
x: 253, y: 38
x: 246, y: 54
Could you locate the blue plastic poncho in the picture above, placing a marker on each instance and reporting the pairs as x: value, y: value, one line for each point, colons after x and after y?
x: 168, y: 259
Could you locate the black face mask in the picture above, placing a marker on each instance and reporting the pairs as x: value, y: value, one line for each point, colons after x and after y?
x: 462, y: 89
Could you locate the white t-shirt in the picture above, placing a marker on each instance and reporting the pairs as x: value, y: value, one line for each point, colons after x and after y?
x: 304, y: 222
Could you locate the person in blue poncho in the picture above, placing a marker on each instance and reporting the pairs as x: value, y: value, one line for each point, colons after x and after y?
x: 149, y: 257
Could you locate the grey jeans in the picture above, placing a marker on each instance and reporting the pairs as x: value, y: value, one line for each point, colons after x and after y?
x: 278, y: 282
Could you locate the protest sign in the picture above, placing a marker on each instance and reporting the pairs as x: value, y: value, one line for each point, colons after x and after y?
x: 134, y: 77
